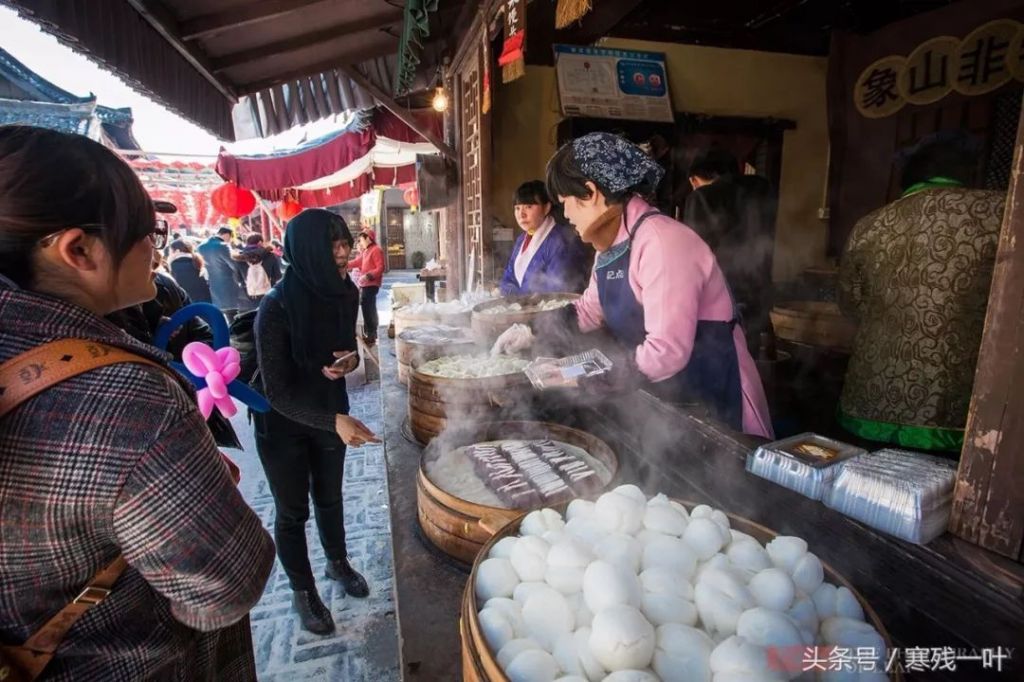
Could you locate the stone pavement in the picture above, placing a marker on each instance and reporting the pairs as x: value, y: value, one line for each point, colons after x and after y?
x: 365, y: 644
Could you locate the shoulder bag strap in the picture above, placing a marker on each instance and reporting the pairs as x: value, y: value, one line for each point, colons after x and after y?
x: 21, y: 378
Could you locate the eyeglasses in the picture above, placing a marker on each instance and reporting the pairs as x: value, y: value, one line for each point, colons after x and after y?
x: 158, y: 236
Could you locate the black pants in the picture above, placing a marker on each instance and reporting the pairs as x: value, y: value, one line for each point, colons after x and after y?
x: 299, y: 460
x: 368, y: 302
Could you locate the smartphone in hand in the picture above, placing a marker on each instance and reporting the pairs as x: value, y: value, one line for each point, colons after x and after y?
x: 340, y: 362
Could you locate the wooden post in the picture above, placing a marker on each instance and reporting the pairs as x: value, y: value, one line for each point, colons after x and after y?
x: 988, y: 503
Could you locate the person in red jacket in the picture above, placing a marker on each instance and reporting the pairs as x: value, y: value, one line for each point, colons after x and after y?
x: 370, y: 264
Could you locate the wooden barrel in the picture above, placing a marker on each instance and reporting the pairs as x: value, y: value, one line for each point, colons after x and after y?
x: 405, y: 317
x: 488, y: 326
x: 434, y: 401
x: 817, y: 323
x: 480, y: 663
x: 459, y: 527
x: 417, y: 345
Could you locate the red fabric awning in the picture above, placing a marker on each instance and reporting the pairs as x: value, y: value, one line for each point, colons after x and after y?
x: 271, y: 175
x: 349, y: 190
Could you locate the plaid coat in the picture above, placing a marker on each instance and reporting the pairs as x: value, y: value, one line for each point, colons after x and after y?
x: 119, y: 460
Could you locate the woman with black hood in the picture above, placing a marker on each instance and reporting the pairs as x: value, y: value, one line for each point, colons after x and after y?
x: 306, y: 343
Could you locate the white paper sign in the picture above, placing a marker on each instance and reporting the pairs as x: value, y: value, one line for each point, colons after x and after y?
x: 597, y: 82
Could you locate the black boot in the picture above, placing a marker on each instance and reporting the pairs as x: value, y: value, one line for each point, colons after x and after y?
x: 342, y: 571
x: 315, y: 616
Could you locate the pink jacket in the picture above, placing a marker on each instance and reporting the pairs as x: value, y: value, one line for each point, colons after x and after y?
x: 370, y: 265
x: 676, y: 278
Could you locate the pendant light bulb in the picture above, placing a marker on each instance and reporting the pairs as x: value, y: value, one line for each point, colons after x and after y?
x: 440, y: 100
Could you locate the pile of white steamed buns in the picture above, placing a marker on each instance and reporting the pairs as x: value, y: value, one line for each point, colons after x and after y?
x: 627, y: 589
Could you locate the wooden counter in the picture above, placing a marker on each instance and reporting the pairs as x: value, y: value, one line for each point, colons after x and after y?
x: 948, y: 594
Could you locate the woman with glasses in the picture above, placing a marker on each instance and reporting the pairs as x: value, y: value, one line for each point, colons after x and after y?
x: 116, y: 461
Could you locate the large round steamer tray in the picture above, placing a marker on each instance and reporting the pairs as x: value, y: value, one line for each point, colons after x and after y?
x: 480, y: 664
x: 459, y: 527
x: 488, y: 326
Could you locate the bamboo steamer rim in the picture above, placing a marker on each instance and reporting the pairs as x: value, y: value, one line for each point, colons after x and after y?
x: 488, y: 660
x: 479, y: 310
x: 608, y: 458
x: 491, y: 382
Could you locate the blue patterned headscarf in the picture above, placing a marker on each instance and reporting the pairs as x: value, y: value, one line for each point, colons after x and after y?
x: 615, y: 163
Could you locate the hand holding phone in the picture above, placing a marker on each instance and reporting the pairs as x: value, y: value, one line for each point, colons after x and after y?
x: 344, y: 363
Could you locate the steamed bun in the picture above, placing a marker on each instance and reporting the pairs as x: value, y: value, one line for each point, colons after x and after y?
x: 682, y: 654
x: 737, y: 655
x: 579, y: 508
x: 620, y: 513
x: 770, y: 629
x: 620, y: 549
x: 621, y: 638
x: 671, y: 553
x: 541, y: 521
x: 606, y: 584
x: 547, y: 616
x: 495, y: 578
x: 633, y: 492
x: 664, y: 519
x: 705, y: 537
x: 773, y: 589
x: 565, y: 565
x: 786, y: 550
x: 532, y: 665
x: 529, y: 558
x: 496, y: 629
x: 512, y: 611
x: 502, y: 549
x: 513, y: 648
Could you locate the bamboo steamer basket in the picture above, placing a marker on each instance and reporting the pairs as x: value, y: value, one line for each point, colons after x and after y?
x: 412, y: 351
x: 405, y: 318
x: 459, y: 527
x: 817, y: 323
x: 435, y: 401
x: 487, y: 327
x: 480, y: 663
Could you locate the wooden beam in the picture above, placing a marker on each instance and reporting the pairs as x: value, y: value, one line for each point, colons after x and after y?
x: 239, y: 16
x: 401, y: 112
x: 334, y: 62
x: 988, y: 502
x: 305, y: 41
x: 160, y: 18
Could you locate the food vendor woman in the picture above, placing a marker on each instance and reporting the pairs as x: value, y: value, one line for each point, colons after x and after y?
x: 656, y: 286
x: 548, y: 256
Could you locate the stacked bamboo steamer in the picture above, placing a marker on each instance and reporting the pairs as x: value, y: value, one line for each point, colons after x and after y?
x: 459, y: 527
x: 416, y: 345
x: 435, y: 401
x: 488, y: 325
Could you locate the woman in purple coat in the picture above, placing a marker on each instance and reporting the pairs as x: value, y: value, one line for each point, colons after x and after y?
x: 548, y: 256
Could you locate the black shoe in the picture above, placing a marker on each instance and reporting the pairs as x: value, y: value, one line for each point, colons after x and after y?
x: 314, y: 615
x: 342, y: 571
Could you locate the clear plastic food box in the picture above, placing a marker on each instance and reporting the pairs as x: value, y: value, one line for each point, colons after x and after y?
x: 806, y: 463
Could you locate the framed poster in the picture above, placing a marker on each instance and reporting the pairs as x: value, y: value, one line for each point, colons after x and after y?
x: 597, y: 82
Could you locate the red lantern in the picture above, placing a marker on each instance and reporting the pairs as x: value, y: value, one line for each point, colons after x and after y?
x: 288, y: 209
x: 233, y: 201
x: 411, y: 196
